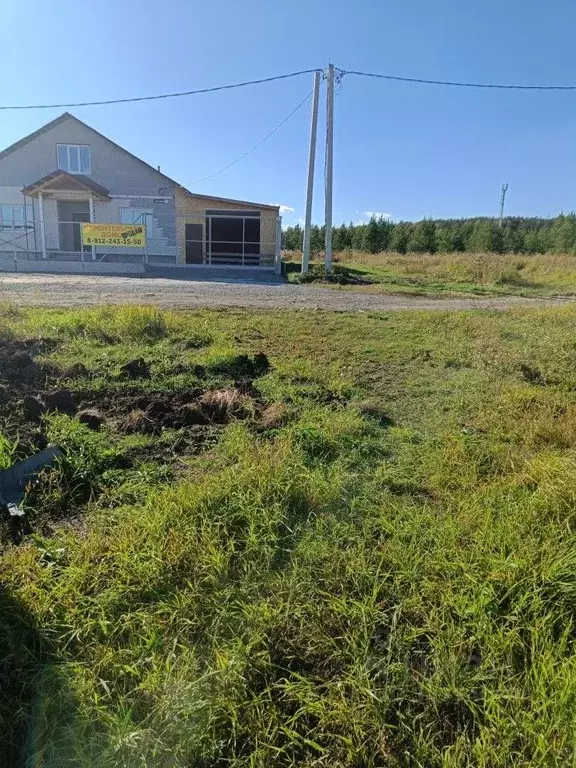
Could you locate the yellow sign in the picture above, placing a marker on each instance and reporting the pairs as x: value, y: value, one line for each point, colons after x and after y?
x: 125, y: 235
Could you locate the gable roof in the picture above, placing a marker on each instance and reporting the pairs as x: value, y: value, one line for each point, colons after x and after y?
x: 68, y: 116
x: 62, y: 119
x: 34, y: 135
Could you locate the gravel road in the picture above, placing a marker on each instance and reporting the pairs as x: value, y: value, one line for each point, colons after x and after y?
x: 82, y: 291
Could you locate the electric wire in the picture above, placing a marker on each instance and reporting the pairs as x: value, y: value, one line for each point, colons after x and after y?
x: 504, y: 86
x: 340, y: 72
x: 163, y: 95
x: 258, y: 144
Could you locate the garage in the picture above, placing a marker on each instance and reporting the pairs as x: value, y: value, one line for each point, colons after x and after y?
x: 219, y: 232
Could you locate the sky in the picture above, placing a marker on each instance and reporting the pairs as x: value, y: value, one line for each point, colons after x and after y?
x: 403, y: 150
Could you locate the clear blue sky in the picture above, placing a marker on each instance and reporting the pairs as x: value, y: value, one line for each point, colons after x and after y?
x: 408, y: 150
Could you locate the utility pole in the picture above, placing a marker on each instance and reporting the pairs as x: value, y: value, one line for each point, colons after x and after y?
x: 311, y: 162
x: 502, y: 199
x: 329, y: 167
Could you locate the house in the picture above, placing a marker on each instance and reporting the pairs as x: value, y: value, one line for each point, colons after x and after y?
x: 66, y: 174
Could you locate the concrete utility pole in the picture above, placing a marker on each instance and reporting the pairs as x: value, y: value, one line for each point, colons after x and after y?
x: 311, y: 162
x: 329, y: 167
x: 502, y: 199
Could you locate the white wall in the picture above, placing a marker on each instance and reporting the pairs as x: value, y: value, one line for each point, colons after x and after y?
x: 109, y: 213
x: 161, y: 240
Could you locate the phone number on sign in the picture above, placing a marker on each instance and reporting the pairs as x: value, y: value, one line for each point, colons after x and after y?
x: 113, y: 241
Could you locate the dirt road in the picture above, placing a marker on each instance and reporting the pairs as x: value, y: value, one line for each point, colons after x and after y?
x: 82, y: 291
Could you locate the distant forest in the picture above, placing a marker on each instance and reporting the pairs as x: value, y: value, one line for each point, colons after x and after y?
x: 517, y: 235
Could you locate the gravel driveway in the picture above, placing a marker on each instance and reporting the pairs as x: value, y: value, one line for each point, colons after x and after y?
x: 81, y: 291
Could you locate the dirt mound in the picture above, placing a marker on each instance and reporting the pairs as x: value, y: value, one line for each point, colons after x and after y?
x: 272, y: 417
x: 92, y: 418
x: 35, y: 406
x: 192, y: 415
x: 32, y: 408
x: 139, y: 421
x: 176, y: 410
x: 242, y: 366
x: 135, y: 369
x: 61, y: 400
x: 223, y: 405
x: 18, y: 366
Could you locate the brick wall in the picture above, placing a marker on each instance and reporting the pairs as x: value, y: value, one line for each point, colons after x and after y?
x: 192, y: 210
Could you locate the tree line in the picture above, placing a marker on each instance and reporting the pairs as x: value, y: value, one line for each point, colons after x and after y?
x: 517, y: 235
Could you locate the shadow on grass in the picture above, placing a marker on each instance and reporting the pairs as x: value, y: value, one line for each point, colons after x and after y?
x: 24, y: 653
x: 39, y: 722
x: 516, y: 281
x: 340, y: 274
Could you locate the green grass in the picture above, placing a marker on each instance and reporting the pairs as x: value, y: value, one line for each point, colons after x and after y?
x: 445, y: 273
x: 386, y: 578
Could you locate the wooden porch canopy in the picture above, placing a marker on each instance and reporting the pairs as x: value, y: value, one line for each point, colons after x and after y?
x: 57, y: 184
x: 61, y: 181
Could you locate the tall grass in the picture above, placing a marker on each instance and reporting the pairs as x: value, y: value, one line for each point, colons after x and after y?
x: 473, y: 272
x: 386, y: 580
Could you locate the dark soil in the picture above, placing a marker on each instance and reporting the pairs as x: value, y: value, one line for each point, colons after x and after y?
x: 19, y: 367
x: 92, y: 418
x: 182, y: 423
x: 242, y: 366
x: 150, y: 413
x: 76, y: 371
x: 62, y: 401
x: 135, y: 369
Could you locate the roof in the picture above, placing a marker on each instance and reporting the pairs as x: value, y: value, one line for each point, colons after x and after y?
x: 61, y: 180
x: 229, y: 200
x: 35, y: 134
x: 68, y: 116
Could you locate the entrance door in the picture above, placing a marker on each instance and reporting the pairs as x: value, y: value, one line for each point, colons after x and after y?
x: 194, y: 244
x: 71, y: 213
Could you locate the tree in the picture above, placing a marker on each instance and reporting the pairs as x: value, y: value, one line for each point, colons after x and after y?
x: 512, y: 240
x: 563, y: 234
x: 386, y: 228
x: 292, y: 238
x: 486, y: 236
x: 423, y: 237
x: 400, y: 235
x: 316, y: 238
x: 372, y: 241
x: 341, y: 240
x: 358, y: 236
x: 449, y: 238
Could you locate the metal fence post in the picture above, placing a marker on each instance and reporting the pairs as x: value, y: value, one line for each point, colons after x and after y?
x: 278, y: 248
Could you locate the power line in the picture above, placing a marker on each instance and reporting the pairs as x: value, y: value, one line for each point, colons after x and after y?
x: 164, y: 95
x: 461, y: 85
x: 258, y: 144
x: 339, y: 72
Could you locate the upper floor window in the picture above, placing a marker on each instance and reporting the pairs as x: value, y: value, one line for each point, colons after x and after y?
x: 74, y: 158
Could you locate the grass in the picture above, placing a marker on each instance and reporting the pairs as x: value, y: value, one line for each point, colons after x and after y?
x: 447, y: 273
x: 384, y: 577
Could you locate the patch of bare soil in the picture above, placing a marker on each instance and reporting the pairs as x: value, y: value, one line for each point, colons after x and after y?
x: 29, y: 390
x: 18, y: 366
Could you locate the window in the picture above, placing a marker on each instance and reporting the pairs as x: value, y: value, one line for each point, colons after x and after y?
x: 17, y: 216
x: 74, y: 158
x: 137, y: 216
